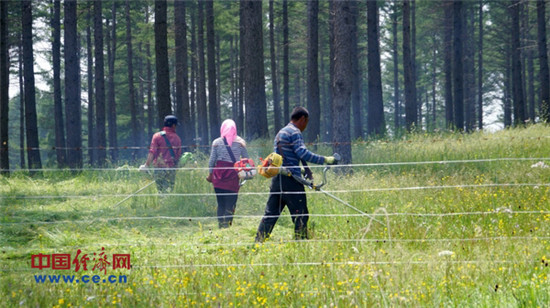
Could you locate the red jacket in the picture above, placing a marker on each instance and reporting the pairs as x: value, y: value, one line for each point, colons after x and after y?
x: 161, y: 152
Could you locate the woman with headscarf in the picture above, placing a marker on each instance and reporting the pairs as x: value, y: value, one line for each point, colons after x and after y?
x: 226, y: 150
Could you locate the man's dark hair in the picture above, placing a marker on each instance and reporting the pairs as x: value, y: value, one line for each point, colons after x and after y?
x: 299, y: 112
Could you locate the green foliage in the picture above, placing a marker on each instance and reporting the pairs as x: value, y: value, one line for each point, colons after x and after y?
x: 449, y: 235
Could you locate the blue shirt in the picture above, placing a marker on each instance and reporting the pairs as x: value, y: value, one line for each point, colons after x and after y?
x: 291, y: 146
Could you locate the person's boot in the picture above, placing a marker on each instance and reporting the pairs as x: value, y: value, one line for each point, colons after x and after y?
x: 260, y: 237
x: 223, y: 224
x: 301, y: 234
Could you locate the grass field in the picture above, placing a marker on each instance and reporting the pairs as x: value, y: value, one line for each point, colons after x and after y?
x: 456, y: 220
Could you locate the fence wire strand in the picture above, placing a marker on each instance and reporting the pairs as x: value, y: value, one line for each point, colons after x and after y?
x: 498, y: 211
x: 211, y: 194
x: 378, y: 164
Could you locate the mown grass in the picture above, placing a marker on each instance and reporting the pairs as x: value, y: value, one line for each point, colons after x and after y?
x: 449, y: 234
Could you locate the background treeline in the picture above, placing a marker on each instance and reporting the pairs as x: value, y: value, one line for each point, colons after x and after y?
x: 364, y: 69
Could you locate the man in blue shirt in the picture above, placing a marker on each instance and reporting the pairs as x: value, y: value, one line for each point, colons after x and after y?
x: 285, y: 190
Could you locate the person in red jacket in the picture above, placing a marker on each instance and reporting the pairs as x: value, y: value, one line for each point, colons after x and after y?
x: 164, y: 154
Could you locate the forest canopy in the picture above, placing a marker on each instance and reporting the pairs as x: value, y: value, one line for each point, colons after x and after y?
x: 89, y: 82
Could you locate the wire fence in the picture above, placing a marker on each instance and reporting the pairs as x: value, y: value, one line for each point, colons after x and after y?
x: 379, y: 164
x: 199, y: 145
x: 211, y: 194
x: 498, y: 211
x: 251, y: 243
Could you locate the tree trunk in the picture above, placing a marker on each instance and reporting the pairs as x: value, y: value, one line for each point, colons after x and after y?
x: 313, y: 104
x: 218, y: 77
x: 544, y: 77
x: 99, y: 74
x: 72, y: 85
x: 201, y: 92
x: 256, y: 110
x: 233, y: 77
x: 131, y: 87
x: 182, y: 80
x: 297, y: 89
x: 458, y: 77
x: 151, y: 119
x: 508, y: 90
x: 417, y: 102
x: 140, y: 99
x: 448, y: 64
x: 79, y: 57
x: 240, y: 71
x: 111, y: 115
x: 213, y: 104
x: 517, y: 79
x: 342, y: 80
x: 30, y: 94
x: 21, y: 106
x: 286, y: 80
x: 193, y: 83
x: 161, y: 59
x: 397, y: 108
x: 274, y: 83
x: 328, y: 108
x: 410, y: 106
x: 434, y: 84
x: 356, y: 103
x: 480, y: 69
x: 60, y: 151
x: 240, y: 65
x: 531, y: 83
x: 530, y: 78
x: 523, y: 32
x: 469, y: 64
x: 376, y: 122
x: 92, y: 153
x: 4, y: 85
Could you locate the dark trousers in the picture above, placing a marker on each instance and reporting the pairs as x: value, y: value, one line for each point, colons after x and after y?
x: 227, y: 202
x: 165, y: 180
x: 285, y: 191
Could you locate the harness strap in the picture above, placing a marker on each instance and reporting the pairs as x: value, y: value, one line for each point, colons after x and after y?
x: 170, y: 148
x: 229, y: 150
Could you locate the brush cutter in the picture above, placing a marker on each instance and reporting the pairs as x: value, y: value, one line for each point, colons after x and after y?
x: 135, y: 193
x: 318, y: 187
x: 310, y: 183
x: 245, y: 170
x: 149, y: 174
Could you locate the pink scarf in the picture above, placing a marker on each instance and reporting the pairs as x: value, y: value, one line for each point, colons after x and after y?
x: 229, y: 131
